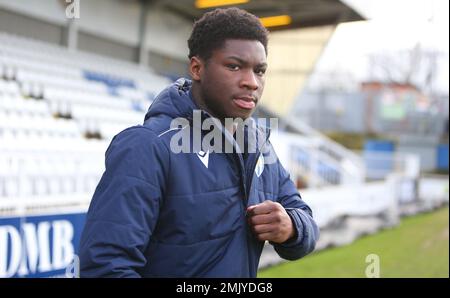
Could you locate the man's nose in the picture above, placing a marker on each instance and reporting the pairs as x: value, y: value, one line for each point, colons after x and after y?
x: 249, y: 81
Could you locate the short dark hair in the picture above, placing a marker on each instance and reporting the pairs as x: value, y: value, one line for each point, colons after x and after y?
x: 214, y: 27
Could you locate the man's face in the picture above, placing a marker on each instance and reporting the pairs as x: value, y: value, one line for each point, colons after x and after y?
x: 232, y: 80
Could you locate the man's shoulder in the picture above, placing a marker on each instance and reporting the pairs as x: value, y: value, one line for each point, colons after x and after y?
x: 138, y: 132
x: 158, y: 124
x: 136, y: 135
x: 136, y: 142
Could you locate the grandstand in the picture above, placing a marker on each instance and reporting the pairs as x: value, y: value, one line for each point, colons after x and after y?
x: 58, y: 112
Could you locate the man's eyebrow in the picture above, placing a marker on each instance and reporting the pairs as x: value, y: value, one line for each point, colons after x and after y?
x: 242, y: 61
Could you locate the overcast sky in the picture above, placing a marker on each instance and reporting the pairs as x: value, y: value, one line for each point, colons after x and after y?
x: 393, y: 25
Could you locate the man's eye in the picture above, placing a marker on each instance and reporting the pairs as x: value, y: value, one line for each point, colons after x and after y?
x: 233, y: 67
x: 260, y: 72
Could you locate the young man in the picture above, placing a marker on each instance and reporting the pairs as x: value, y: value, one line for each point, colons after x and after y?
x: 160, y: 213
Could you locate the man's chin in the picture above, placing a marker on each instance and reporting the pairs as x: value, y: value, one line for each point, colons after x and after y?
x: 242, y: 115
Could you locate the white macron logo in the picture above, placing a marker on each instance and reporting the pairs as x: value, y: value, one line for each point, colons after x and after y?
x: 259, y: 168
x: 204, y: 157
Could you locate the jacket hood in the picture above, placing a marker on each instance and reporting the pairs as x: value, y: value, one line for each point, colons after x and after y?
x: 174, y: 101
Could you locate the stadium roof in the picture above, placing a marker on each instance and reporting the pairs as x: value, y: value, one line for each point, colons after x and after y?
x: 303, y: 13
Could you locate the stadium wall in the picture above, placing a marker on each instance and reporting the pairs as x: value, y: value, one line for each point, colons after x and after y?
x: 31, y: 27
x: 105, y: 27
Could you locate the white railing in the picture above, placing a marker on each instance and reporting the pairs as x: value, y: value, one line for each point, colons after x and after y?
x: 319, y: 161
x: 305, y: 158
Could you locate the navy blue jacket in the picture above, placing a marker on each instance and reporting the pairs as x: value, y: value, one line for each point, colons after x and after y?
x: 156, y: 213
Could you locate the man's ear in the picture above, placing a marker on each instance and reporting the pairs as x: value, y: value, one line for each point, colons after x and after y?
x: 196, y: 66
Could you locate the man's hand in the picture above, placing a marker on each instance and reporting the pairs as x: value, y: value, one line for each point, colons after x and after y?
x: 270, y: 221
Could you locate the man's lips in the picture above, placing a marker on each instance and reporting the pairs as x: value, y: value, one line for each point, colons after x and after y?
x: 247, y: 103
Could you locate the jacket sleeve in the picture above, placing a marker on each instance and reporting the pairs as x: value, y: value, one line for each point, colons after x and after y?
x: 125, y: 206
x: 307, y: 231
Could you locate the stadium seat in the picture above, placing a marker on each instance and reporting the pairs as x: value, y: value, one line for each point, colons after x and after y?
x: 50, y: 101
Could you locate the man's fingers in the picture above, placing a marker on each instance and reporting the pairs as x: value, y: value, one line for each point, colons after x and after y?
x: 249, y: 211
x: 261, y: 229
x: 269, y: 221
x: 261, y: 219
x: 263, y: 208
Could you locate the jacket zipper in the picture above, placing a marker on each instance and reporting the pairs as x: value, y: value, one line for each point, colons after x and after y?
x: 250, y: 174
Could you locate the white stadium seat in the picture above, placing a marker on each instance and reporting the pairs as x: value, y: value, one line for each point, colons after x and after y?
x: 42, y: 155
